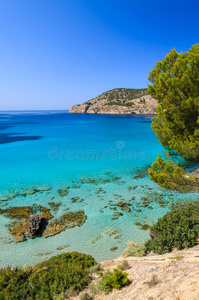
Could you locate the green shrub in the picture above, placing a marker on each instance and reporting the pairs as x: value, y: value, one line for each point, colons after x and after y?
x: 97, y: 268
x: 153, y: 282
x: 178, y: 228
x: 93, y: 289
x: 128, y: 104
x: 117, y: 280
x: 111, y: 97
x: 67, y: 272
x: 134, y: 249
x: 113, y: 103
x: 88, y: 103
x: 119, y: 103
x: 85, y: 296
x: 124, y: 265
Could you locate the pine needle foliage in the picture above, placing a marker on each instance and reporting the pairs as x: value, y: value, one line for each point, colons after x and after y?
x: 175, y: 84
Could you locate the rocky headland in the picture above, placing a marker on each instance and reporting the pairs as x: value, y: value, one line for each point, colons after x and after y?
x: 118, y: 101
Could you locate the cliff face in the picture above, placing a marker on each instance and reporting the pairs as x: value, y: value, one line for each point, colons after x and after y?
x: 119, y: 101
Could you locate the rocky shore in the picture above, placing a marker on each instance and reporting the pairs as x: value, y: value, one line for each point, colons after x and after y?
x: 172, y: 276
x: 119, y: 101
x: 34, y: 221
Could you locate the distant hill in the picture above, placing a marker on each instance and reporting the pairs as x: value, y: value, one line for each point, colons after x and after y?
x: 118, y: 101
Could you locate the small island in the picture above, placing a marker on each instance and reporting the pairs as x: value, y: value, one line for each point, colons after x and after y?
x: 118, y: 101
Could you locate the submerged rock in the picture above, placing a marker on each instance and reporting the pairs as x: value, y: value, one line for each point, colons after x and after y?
x: 17, y: 212
x: 68, y: 220
x: 144, y: 199
x: 150, y: 207
x: 28, y: 192
x: 63, y: 192
x: 54, y: 205
x: 117, y: 213
x: 63, y: 247
x: 113, y: 232
x: 126, y: 208
x: 122, y: 204
x: 43, y: 188
x: 46, y: 212
x: 7, y: 198
x: 75, y: 186
x: 25, y: 192
x: 117, y: 236
x: 34, y: 190
x: 75, y: 198
x: 42, y: 254
x: 18, y: 229
x: 131, y: 188
x: 113, y: 248
x: 138, y: 224
x: 143, y: 226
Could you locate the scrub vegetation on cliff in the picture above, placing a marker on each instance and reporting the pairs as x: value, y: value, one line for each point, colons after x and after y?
x: 122, y: 95
x: 60, y: 276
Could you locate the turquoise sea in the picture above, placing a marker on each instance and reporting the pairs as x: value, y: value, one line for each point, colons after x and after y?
x: 102, y: 159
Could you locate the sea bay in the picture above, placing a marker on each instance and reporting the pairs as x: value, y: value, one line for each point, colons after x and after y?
x: 101, y: 159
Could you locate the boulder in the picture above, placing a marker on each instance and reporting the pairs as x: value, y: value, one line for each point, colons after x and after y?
x: 126, y: 208
x: 34, y: 225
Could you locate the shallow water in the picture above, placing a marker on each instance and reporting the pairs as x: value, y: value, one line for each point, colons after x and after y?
x: 62, y: 150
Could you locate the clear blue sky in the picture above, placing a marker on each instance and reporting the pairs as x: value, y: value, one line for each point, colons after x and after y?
x: 55, y: 53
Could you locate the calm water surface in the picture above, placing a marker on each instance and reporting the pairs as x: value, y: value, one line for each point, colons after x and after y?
x: 106, y: 152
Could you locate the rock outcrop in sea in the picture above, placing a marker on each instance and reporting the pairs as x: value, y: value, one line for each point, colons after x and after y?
x: 34, y: 225
x: 119, y: 101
